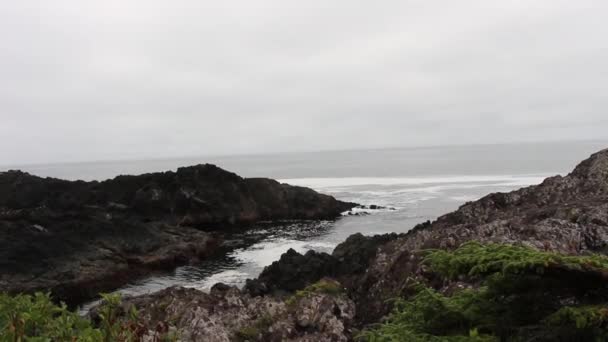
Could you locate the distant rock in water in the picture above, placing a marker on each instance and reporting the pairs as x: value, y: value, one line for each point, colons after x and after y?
x: 77, y: 238
x: 362, y: 210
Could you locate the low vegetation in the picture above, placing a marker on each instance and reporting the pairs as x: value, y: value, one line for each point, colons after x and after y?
x: 256, y: 331
x: 36, y: 318
x: 476, y: 293
x: 503, y: 293
x: 475, y: 259
x: 324, y: 286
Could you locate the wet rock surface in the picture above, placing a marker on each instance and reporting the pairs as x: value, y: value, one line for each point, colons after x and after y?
x: 78, y: 238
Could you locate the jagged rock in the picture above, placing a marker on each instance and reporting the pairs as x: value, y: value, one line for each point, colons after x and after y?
x: 230, y: 315
x: 295, y: 271
x: 79, y: 238
x: 354, y: 255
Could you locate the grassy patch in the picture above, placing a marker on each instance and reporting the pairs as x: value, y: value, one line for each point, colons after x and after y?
x: 324, y: 286
x: 257, y: 330
x: 248, y: 334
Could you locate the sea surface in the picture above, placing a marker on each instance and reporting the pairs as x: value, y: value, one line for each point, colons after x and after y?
x: 419, y: 183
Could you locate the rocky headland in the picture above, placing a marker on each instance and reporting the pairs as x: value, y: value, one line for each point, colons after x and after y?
x: 76, y: 238
x: 529, y: 265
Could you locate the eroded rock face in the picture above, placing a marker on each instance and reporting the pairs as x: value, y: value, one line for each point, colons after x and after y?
x: 227, y: 314
x: 79, y: 238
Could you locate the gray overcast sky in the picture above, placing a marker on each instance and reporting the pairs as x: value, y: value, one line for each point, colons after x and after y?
x: 113, y: 79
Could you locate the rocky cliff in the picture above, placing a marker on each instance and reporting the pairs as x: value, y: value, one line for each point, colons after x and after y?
x: 563, y: 214
x: 518, y: 279
x: 78, y: 238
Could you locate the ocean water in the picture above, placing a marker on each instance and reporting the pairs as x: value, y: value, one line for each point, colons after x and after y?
x: 419, y: 183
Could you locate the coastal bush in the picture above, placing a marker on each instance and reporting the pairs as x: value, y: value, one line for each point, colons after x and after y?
x: 430, y: 316
x: 325, y: 286
x: 514, y: 293
x: 37, y: 318
x: 476, y: 259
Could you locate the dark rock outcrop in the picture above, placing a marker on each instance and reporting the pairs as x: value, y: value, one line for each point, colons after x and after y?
x: 295, y: 271
x: 79, y: 238
x: 202, y: 196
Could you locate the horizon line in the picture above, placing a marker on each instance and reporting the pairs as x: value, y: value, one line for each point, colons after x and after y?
x: 254, y: 154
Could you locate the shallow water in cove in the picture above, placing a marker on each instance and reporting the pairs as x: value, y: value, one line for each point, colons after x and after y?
x: 420, y: 183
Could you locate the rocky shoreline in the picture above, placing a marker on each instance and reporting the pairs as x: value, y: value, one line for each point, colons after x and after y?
x: 527, y: 265
x: 77, y: 238
x: 323, y: 297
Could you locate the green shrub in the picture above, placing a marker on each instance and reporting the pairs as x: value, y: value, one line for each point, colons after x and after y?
x: 476, y: 259
x: 517, y: 297
x: 430, y: 316
x: 37, y: 318
x: 580, y: 317
x: 325, y: 286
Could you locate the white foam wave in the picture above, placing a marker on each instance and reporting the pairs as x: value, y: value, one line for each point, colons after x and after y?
x: 359, y: 210
x: 435, y: 189
x: 265, y: 253
x: 228, y: 277
x: 338, y: 184
x: 464, y: 198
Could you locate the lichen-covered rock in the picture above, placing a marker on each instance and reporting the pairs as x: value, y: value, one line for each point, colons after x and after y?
x: 227, y: 314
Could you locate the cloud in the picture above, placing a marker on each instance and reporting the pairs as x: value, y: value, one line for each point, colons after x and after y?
x: 90, y: 80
